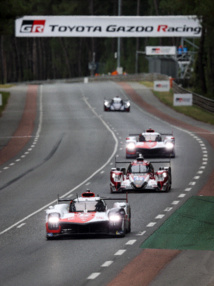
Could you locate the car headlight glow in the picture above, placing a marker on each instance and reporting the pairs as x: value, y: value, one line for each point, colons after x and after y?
x: 130, y: 146
x: 169, y: 145
x: 53, y: 219
x: 164, y: 175
x: 115, y: 218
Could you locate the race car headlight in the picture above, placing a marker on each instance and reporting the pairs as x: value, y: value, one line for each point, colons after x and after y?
x: 115, y: 218
x: 169, y: 145
x: 128, y: 104
x: 53, y: 219
x: 130, y: 146
x: 164, y: 175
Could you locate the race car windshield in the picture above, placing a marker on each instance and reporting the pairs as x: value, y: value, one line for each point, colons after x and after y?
x: 89, y: 206
x: 117, y: 100
x: 85, y: 206
x: 139, y: 169
x: 150, y: 137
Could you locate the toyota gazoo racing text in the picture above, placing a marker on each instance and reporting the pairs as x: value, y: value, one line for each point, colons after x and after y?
x: 140, y: 176
x: 87, y: 215
x: 116, y: 104
x: 150, y: 144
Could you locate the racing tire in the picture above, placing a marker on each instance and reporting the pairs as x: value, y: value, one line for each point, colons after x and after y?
x: 49, y: 238
x: 123, y: 230
x: 129, y: 228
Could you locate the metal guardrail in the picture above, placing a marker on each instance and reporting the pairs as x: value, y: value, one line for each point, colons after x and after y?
x: 199, y: 100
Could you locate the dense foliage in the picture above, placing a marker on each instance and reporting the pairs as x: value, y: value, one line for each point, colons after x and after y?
x: 23, y: 59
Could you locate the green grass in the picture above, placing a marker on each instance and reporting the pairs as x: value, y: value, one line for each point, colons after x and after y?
x: 5, y: 97
x: 190, y: 227
x: 191, y: 111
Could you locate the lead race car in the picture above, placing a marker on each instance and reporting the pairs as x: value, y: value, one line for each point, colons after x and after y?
x: 116, y: 104
x: 150, y: 144
x: 140, y: 176
x: 88, y: 214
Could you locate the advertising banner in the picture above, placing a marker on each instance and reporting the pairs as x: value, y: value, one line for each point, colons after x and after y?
x: 162, y: 50
x: 107, y: 26
x: 161, y: 85
x: 182, y: 99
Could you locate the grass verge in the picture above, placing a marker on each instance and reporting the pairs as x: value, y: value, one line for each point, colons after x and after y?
x: 191, y: 111
x: 5, y: 96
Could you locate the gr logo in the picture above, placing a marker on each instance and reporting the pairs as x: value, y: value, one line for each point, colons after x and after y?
x: 32, y: 26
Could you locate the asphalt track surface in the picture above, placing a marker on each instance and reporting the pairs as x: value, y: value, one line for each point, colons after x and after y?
x: 68, y: 145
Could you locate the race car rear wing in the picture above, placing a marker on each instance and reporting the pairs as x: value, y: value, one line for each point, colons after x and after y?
x: 100, y: 198
x: 153, y: 162
x: 137, y: 134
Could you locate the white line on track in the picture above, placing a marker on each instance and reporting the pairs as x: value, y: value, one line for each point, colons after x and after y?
x: 93, y: 275
x: 181, y: 195
x: 21, y: 225
x: 120, y: 252
x: 151, y: 224
x: 160, y: 216
x: 168, y: 209
x: 107, y: 263
x: 131, y: 242
x: 175, y: 202
x: 141, y: 233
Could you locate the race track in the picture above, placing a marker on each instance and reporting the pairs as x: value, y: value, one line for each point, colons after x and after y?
x: 72, y: 148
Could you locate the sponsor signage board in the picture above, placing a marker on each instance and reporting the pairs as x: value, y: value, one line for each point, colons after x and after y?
x: 161, y: 85
x: 0, y: 99
x: 108, y: 26
x: 182, y: 99
x: 161, y: 50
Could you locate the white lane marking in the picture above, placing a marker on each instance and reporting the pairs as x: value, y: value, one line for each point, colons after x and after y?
x: 151, y: 224
x: 88, y: 183
x: 181, y: 195
x: 141, y: 233
x: 188, y: 189
x: 131, y: 242
x: 81, y: 184
x: 175, y: 202
x: 168, y: 209
x: 120, y: 252
x: 196, y: 177
x: 200, y: 172
x: 160, y: 216
x: 107, y: 264
x: 102, y: 172
x: 192, y: 183
x: 21, y: 225
x: 93, y: 275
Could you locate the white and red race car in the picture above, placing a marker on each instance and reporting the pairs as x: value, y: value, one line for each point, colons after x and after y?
x: 150, y: 144
x: 140, y: 176
x: 117, y: 104
x: 87, y: 215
